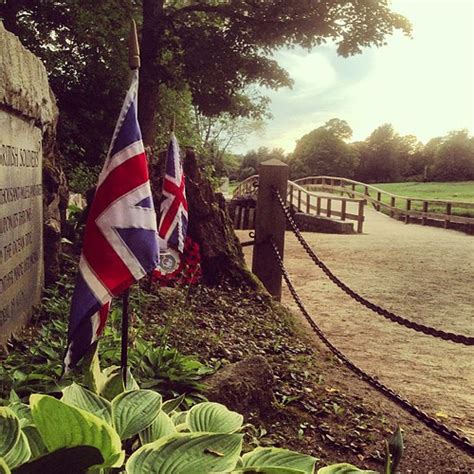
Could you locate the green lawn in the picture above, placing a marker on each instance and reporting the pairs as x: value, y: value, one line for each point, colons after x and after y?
x: 452, y: 191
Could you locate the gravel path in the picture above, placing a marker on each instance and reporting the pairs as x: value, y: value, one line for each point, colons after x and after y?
x: 422, y: 273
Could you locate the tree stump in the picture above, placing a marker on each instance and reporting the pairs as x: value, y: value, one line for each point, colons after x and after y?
x: 222, y: 259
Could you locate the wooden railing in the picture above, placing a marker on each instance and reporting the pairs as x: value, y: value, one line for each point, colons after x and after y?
x: 248, y: 187
x: 303, y: 200
x: 328, y: 206
x: 394, y: 205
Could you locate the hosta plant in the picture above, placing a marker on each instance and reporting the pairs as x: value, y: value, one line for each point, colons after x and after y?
x: 133, y: 432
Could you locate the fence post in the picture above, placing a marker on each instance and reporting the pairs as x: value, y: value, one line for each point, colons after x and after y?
x: 270, y: 223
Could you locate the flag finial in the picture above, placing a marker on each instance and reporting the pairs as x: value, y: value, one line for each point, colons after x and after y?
x: 133, y: 47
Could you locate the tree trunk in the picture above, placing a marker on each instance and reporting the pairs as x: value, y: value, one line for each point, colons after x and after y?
x: 210, y: 226
x: 150, y: 70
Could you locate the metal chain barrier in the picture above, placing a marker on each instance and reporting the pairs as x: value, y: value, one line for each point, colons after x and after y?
x: 446, y: 432
x: 447, y: 336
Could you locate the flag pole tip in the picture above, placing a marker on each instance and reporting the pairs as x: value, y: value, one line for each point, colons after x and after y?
x: 133, y: 47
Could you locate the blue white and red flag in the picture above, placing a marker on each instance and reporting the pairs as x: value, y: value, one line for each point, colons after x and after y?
x: 120, y: 240
x: 174, y: 207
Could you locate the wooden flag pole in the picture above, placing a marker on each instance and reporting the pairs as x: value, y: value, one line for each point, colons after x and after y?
x: 134, y: 63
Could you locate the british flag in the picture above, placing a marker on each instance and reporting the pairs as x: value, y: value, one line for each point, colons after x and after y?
x: 174, y: 207
x: 120, y: 240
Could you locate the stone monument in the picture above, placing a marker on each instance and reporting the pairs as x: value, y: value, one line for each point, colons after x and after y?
x: 29, y: 207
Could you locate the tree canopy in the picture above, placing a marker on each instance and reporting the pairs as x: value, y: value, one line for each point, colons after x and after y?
x: 215, y: 51
x: 324, y: 152
x: 385, y: 156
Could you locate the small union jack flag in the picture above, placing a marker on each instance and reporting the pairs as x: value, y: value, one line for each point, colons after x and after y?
x: 120, y: 240
x: 174, y: 207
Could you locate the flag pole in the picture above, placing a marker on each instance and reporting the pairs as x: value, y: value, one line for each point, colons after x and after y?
x: 134, y: 63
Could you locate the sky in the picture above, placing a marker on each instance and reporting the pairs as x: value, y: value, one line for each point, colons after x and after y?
x: 423, y: 86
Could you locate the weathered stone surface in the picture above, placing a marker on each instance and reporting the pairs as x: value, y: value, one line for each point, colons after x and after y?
x: 25, y: 91
x: 29, y: 116
x: 246, y: 386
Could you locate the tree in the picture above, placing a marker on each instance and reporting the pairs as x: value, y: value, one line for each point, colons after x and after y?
x: 217, y: 50
x: 324, y: 152
x: 379, y: 156
x: 253, y: 158
x: 454, y: 158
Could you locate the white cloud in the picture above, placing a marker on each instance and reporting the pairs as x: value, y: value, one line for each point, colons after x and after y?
x: 423, y: 86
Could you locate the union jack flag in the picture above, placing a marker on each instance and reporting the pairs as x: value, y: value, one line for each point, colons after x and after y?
x: 174, y: 207
x: 120, y: 240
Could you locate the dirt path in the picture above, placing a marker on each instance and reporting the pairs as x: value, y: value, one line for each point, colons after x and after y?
x: 423, y: 273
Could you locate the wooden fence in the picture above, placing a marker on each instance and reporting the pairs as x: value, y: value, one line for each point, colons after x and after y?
x: 302, y: 199
x: 327, y: 206
x: 400, y: 207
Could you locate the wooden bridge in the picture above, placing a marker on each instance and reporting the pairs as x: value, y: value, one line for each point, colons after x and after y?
x: 300, y: 199
x: 317, y: 195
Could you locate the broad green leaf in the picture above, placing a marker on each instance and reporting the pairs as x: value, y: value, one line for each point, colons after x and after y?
x: 268, y: 470
x: 23, y: 412
x: 213, y: 418
x: 67, y: 460
x: 171, y: 405
x: 343, y: 468
x: 80, y: 397
x: 64, y: 426
x: 20, y: 453
x: 4, y: 469
x: 35, y: 441
x: 162, y: 426
x: 9, y: 430
x: 276, y: 457
x: 94, y: 378
x: 135, y: 410
x: 395, y: 450
x: 178, y: 418
x: 13, y: 397
x: 187, y: 453
x: 113, y: 385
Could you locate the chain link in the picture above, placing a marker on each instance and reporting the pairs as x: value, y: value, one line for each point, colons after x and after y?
x: 447, y: 336
x: 448, y: 433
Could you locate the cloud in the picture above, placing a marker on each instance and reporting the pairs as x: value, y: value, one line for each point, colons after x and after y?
x: 423, y: 86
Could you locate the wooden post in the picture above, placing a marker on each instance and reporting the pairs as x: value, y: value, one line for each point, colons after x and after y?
x: 360, y: 218
x: 308, y: 203
x: 407, y: 215
x: 448, y: 213
x: 425, y: 209
x: 318, y: 206
x: 328, y: 208
x: 299, y: 200
x: 379, y: 198
x: 343, y: 210
x: 270, y: 224
x: 245, y: 223
x: 392, y: 205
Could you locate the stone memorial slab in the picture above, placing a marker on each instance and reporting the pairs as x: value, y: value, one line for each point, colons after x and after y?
x: 21, y: 220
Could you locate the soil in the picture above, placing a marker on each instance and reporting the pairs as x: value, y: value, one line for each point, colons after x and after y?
x: 422, y: 273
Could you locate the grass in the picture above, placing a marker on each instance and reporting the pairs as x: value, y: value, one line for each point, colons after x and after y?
x: 451, y: 191
x: 454, y: 191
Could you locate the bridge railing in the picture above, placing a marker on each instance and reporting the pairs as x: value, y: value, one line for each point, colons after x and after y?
x: 248, y: 187
x: 323, y: 205
x: 303, y: 200
x: 403, y: 207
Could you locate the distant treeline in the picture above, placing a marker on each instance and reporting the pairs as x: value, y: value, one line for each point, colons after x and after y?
x: 385, y: 156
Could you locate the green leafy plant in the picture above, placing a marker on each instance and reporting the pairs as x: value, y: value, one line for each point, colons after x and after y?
x: 85, y: 429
